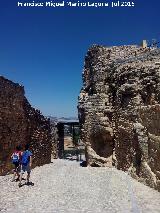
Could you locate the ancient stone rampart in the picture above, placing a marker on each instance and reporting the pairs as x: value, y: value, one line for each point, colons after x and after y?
x: 20, y: 124
x: 119, y: 110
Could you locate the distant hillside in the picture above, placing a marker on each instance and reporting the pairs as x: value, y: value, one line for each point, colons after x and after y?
x: 56, y: 119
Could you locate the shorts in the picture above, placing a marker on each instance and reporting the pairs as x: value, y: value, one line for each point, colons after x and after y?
x: 25, y: 168
x: 17, y: 167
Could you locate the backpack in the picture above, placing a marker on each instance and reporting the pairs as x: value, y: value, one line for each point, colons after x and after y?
x: 25, y: 157
x: 15, y: 158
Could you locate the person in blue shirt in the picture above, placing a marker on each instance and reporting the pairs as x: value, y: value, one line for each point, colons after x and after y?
x: 26, y: 164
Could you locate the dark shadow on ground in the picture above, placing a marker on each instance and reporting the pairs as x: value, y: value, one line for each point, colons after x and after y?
x: 30, y: 184
x: 26, y: 184
x: 83, y: 164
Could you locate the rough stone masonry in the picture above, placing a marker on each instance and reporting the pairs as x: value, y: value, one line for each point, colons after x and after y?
x: 21, y: 124
x: 119, y: 110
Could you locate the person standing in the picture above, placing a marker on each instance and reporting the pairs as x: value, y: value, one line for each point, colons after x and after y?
x: 26, y: 164
x: 16, y: 160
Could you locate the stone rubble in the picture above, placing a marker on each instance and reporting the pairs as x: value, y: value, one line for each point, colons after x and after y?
x: 65, y: 187
x: 119, y: 110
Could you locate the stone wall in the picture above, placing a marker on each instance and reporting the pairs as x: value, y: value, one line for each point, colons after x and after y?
x: 54, y: 139
x: 21, y: 124
x: 119, y: 110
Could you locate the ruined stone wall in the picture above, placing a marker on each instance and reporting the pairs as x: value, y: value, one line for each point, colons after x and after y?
x: 54, y: 139
x: 119, y: 110
x: 21, y: 124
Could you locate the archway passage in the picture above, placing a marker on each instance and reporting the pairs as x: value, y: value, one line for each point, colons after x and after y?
x: 69, y: 143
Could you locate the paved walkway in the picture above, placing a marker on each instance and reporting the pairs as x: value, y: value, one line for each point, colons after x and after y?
x: 64, y: 187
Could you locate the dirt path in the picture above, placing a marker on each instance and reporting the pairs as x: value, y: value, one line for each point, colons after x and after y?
x: 64, y: 187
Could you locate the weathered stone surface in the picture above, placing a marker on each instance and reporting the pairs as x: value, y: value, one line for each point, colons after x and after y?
x: 54, y: 139
x: 119, y: 110
x: 21, y: 124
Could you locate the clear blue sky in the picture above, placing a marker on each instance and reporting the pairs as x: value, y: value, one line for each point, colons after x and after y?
x: 44, y: 49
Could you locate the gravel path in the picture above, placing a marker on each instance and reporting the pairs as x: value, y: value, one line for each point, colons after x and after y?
x: 64, y: 187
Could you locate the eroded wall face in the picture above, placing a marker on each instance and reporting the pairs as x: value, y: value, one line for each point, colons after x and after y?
x: 21, y: 124
x: 119, y: 109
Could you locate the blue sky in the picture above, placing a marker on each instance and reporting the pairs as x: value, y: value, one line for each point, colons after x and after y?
x: 44, y: 48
